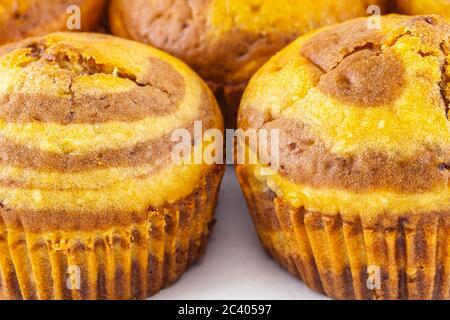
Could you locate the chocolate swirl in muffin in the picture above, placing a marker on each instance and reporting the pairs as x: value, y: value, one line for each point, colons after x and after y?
x: 350, y: 126
x: 227, y: 41
x: 86, y: 164
x: 362, y: 194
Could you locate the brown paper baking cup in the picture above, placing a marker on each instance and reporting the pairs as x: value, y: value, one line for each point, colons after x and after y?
x: 406, y: 257
x: 126, y: 262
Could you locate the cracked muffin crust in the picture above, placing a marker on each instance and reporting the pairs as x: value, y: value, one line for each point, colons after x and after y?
x: 20, y: 19
x: 363, y: 179
x: 413, y: 7
x: 226, y: 41
x: 87, y: 178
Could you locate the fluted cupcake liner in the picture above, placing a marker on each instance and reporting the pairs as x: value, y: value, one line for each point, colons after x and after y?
x: 126, y: 262
x: 382, y: 257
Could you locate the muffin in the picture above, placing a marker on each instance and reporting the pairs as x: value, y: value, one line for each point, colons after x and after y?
x: 358, y: 205
x: 226, y: 41
x: 93, y: 203
x: 413, y: 7
x: 27, y: 18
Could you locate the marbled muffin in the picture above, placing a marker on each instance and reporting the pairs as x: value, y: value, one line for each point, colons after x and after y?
x: 87, y: 180
x: 364, y: 158
x: 226, y: 41
x: 26, y: 18
x: 413, y: 7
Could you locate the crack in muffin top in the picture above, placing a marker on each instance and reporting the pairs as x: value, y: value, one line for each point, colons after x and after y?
x: 86, y: 123
x: 361, y: 108
x: 226, y: 41
x: 71, y: 87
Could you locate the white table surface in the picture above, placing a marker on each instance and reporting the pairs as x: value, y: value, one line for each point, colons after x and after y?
x: 235, y: 266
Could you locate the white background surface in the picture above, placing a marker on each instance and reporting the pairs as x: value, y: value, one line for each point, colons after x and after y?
x: 235, y: 266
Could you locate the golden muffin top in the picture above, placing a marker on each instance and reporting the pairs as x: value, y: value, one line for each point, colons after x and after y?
x: 360, y: 109
x: 226, y: 41
x: 24, y: 18
x: 413, y: 7
x: 86, y: 123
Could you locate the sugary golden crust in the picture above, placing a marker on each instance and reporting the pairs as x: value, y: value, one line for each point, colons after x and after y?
x: 26, y: 18
x: 52, y: 81
x: 304, y: 159
x: 382, y: 257
x: 180, y: 27
x: 414, y: 7
x: 155, y: 151
x: 360, y: 207
x: 87, y: 175
x: 122, y: 256
x: 354, y: 68
x: 159, y: 91
x: 226, y: 60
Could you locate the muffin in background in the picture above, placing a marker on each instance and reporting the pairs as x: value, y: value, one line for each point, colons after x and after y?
x: 20, y: 19
x: 360, y: 205
x: 226, y: 41
x: 93, y: 204
x: 414, y: 7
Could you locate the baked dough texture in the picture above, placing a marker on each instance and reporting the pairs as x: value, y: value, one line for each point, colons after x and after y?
x: 26, y: 18
x: 87, y: 179
x: 363, y: 180
x: 414, y: 7
x: 226, y: 41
